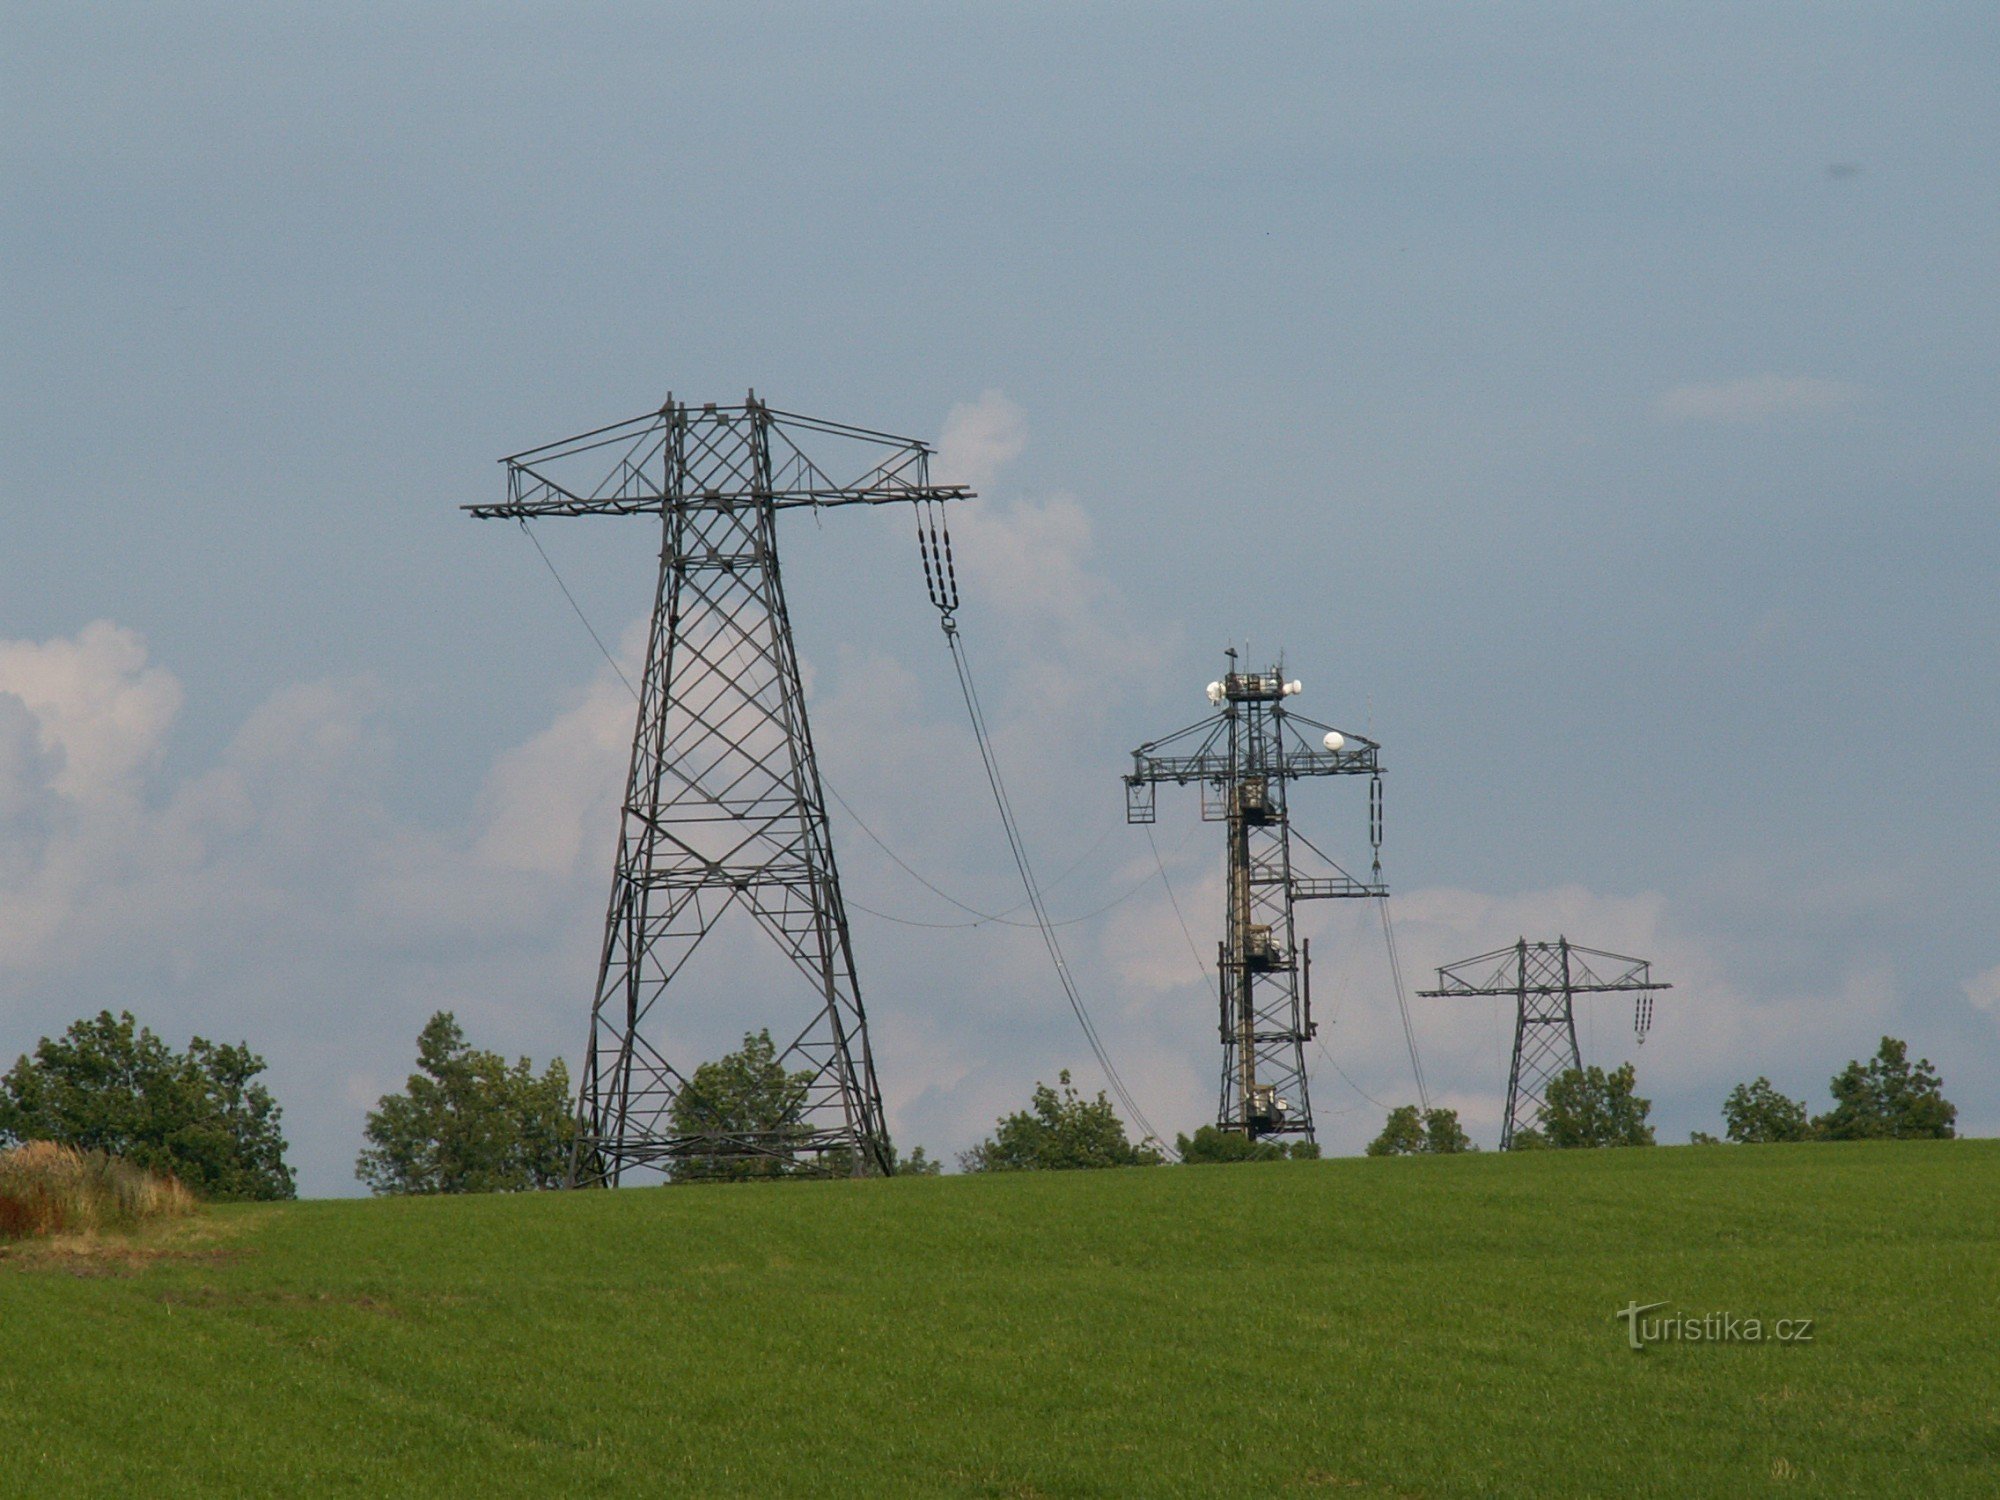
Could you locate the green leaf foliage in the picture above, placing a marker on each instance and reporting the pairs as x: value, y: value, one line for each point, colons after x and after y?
x: 751, y: 1114
x: 917, y: 1164
x: 1059, y: 1132
x: 1589, y: 1107
x: 1888, y: 1099
x: 109, y: 1084
x: 1757, y: 1114
x: 1412, y: 1132
x: 1211, y: 1144
x: 468, y: 1123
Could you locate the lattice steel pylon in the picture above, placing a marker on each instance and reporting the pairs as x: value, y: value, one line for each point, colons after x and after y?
x: 723, y: 803
x: 1544, y: 980
x: 1244, y: 756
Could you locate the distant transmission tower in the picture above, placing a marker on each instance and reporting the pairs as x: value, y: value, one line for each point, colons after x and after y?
x: 723, y: 804
x: 1544, y: 980
x: 1244, y: 756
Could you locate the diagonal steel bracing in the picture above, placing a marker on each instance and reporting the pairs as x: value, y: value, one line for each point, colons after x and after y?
x: 1244, y: 758
x: 1543, y: 980
x: 723, y: 807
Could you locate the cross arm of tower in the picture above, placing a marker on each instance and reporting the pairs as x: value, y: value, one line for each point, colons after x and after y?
x: 697, y: 457
x: 552, y: 500
x: 1532, y: 969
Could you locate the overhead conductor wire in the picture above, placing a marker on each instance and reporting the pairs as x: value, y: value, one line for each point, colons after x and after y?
x: 940, y: 576
x: 944, y: 587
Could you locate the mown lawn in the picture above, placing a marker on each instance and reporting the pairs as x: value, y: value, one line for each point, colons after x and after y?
x: 1402, y: 1327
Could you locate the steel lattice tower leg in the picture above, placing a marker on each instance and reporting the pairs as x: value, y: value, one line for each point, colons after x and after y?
x: 723, y: 808
x: 1264, y: 1026
x: 1544, y: 1034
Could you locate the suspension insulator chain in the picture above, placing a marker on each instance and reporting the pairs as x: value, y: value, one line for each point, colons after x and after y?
x: 1375, y: 823
x: 934, y: 546
x: 1642, y: 1015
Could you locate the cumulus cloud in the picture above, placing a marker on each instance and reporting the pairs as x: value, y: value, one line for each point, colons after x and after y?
x: 1754, y: 399
x: 1983, y: 990
x: 980, y: 438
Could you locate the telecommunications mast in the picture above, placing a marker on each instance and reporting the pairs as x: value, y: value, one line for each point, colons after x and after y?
x: 1245, y: 756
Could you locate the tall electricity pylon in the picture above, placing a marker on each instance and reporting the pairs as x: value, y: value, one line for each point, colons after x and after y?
x: 1544, y: 980
x: 723, y: 802
x: 1244, y: 756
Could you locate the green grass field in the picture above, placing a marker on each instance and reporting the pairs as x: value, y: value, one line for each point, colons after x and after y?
x: 1373, y: 1327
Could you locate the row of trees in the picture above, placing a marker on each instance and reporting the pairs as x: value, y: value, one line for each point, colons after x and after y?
x: 1886, y: 1098
x: 467, y: 1121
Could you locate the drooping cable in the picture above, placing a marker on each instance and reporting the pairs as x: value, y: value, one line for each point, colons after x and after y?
x: 940, y: 577
x: 981, y: 917
x: 578, y: 608
x: 1194, y: 948
x: 1402, y: 1001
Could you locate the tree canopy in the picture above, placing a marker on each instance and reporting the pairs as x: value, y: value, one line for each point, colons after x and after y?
x: 1589, y: 1107
x: 754, y: 1111
x: 1211, y: 1143
x: 1412, y: 1132
x: 109, y: 1084
x: 1756, y: 1113
x: 1059, y: 1132
x: 1888, y: 1099
x: 467, y: 1123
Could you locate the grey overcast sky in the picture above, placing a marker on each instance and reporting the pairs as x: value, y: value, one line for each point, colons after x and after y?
x: 1595, y: 404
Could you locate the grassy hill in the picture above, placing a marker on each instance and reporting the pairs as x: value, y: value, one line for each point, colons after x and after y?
x: 1368, y: 1327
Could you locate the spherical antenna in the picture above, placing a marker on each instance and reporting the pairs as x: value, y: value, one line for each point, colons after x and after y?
x: 1334, y: 739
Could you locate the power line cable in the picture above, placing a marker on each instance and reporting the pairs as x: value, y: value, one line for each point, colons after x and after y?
x: 983, y: 917
x: 940, y: 577
x: 606, y: 650
x: 1403, y: 1002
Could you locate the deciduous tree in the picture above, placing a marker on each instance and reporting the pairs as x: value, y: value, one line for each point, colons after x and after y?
x: 754, y: 1112
x: 109, y: 1084
x: 1757, y: 1114
x: 1058, y: 1132
x: 1589, y: 1107
x: 467, y: 1123
x: 1412, y: 1132
x: 1888, y: 1099
x: 1211, y: 1143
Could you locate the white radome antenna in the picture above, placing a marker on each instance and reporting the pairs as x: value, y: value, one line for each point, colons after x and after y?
x: 1294, y: 687
x: 1334, y: 739
x: 1215, y: 692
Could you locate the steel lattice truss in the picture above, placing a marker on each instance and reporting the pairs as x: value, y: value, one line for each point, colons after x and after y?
x: 1244, y: 758
x: 723, y: 803
x: 1544, y: 980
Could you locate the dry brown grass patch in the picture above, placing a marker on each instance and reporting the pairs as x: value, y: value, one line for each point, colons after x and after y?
x: 48, y: 1190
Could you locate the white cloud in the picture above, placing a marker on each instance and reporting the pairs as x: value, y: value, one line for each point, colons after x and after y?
x: 1983, y: 990
x: 98, y: 708
x: 1754, y: 399
x: 980, y: 439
